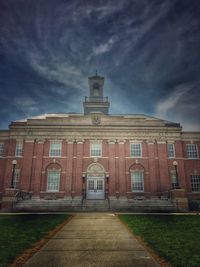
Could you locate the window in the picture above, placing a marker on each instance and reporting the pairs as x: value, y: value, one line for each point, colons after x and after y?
x: 96, y: 92
x: 16, y: 178
x: 19, y: 149
x: 55, y: 149
x: 174, y: 180
x: 90, y: 184
x: 53, y: 181
x: 137, y: 179
x: 2, y: 149
x: 171, y: 150
x: 136, y: 150
x: 192, y: 151
x: 96, y: 149
x: 195, y: 182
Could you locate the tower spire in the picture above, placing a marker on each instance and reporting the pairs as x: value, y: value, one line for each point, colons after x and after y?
x: 96, y: 73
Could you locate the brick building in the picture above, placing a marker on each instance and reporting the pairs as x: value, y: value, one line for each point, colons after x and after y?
x: 98, y: 161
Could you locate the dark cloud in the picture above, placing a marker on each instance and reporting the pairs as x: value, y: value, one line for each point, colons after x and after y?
x: 148, y: 52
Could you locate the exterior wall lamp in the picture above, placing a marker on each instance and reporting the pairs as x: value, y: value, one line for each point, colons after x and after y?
x: 14, y: 163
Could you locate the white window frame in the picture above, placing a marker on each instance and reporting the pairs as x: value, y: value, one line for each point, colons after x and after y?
x: 96, y: 149
x: 192, y: 151
x: 19, y: 149
x: 137, y: 182
x: 2, y: 149
x: 53, y: 183
x: 135, y: 150
x: 16, y: 179
x: 195, y: 183
x: 55, y: 149
x: 171, y: 150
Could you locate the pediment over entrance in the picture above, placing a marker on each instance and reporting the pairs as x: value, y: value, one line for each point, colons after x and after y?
x: 95, y: 168
x: 136, y: 167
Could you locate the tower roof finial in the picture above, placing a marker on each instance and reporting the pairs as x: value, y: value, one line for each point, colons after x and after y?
x: 96, y: 73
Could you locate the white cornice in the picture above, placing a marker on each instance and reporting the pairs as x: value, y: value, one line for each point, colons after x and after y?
x: 89, y: 131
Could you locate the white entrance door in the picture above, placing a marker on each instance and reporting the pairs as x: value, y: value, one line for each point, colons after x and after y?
x: 95, y: 188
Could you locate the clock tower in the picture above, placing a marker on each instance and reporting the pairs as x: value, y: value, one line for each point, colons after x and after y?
x: 96, y: 102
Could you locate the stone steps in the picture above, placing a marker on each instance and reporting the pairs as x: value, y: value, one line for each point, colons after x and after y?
x: 95, y: 205
x: 76, y: 204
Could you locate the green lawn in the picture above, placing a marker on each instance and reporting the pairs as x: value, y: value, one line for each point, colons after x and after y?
x: 174, y: 237
x: 19, y: 232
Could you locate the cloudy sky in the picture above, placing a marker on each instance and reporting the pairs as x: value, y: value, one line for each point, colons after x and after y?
x: 148, y: 52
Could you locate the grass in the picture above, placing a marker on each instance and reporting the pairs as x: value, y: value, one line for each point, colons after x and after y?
x: 20, y: 232
x: 176, y: 238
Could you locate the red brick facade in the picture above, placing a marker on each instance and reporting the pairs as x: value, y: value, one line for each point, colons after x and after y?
x: 116, y: 160
x: 131, y: 161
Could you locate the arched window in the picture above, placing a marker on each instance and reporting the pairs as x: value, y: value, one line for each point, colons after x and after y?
x: 137, y: 181
x: 53, y: 178
x: 137, y: 177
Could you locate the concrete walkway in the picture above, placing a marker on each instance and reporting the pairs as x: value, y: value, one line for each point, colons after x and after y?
x: 92, y: 239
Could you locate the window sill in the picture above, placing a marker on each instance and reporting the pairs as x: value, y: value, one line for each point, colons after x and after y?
x: 54, y: 191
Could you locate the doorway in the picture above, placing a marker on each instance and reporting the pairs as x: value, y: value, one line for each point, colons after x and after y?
x: 95, y: 186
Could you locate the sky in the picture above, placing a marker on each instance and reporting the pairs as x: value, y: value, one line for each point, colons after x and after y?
x: 148, y: 52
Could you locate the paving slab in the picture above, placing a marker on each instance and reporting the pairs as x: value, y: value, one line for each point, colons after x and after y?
x: 104, y: 234
x: 93, y: 239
